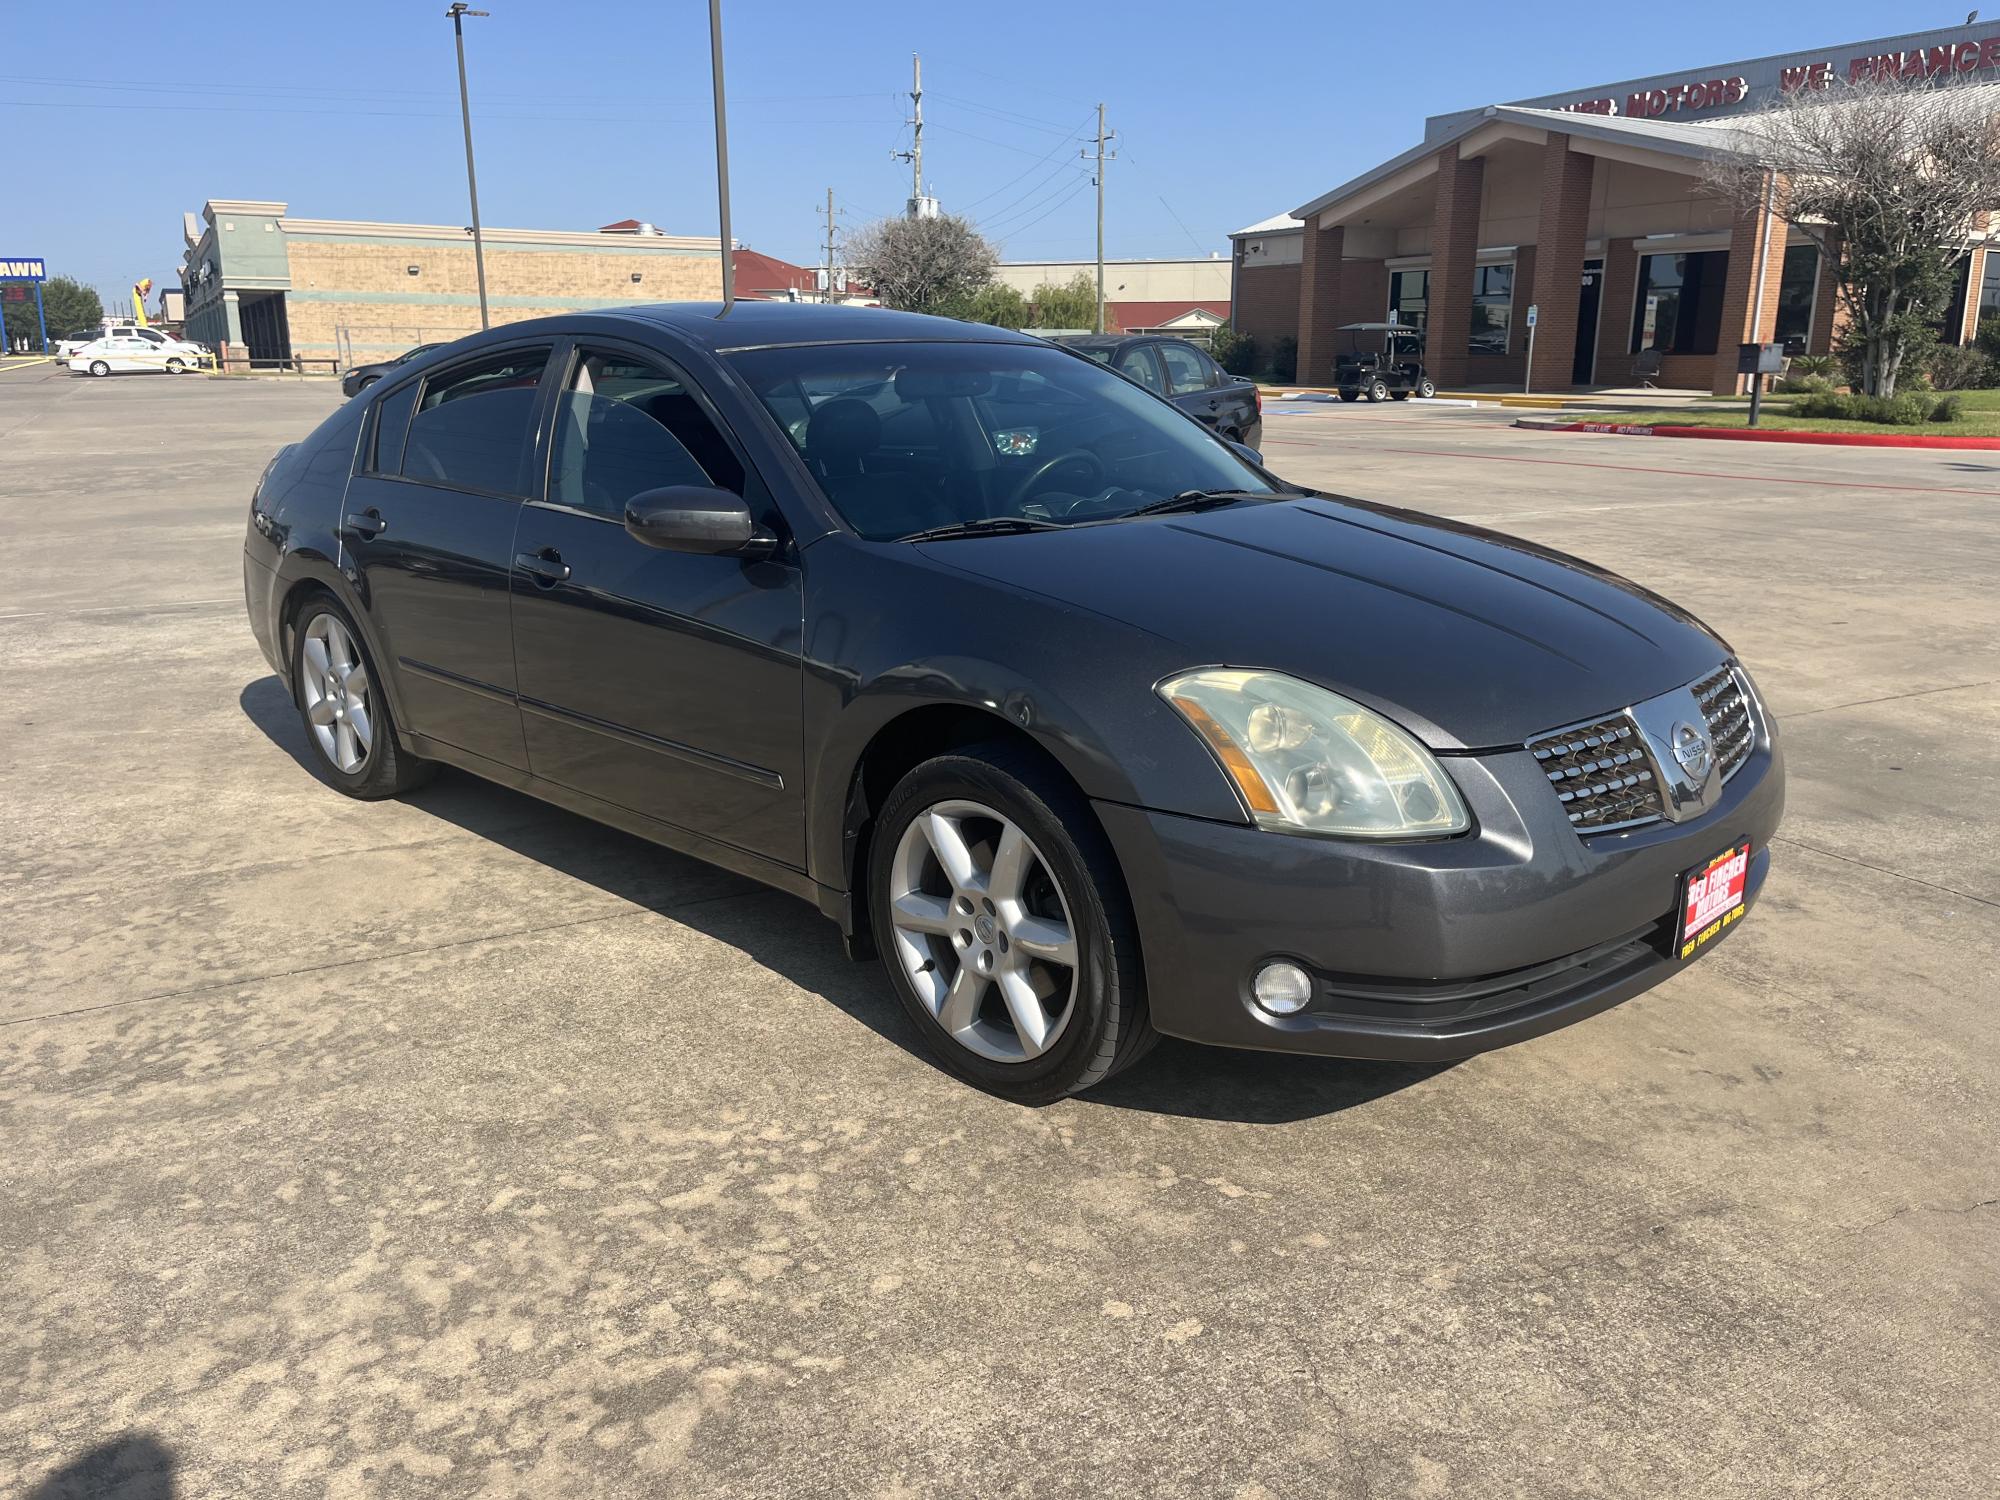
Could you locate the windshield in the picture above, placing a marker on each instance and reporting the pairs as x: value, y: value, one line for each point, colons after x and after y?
x: 904, y: 438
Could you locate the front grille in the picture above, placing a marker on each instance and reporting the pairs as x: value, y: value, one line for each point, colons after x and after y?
x: 1726, y: 708
x: 1601, y: 773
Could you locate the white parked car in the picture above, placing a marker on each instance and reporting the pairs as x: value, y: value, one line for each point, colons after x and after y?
x: 127, y: 351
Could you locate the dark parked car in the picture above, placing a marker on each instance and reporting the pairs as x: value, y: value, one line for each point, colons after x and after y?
x: 1185, y: 375
x: 1089, y: 726
x: 358, y: 379
x: 1382, y: 361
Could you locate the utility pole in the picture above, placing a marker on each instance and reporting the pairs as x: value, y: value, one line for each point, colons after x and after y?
x: 1102, y: 137
x: 915, y: 155
x: 721, y: 153
x: 458, y: 12
x: 828, y: 297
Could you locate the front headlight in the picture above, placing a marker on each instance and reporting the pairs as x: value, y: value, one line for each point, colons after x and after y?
x: 1309, y: 761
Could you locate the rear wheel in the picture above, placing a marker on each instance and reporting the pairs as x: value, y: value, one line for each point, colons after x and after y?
x: 1004, y: 923
x: 1347, y: 395
x: 345, y: 713
x: 99, y: 367
x: 1427, y: 388
x: 1399, y: 395
x: 175, y: 365
x: 1378, y: 390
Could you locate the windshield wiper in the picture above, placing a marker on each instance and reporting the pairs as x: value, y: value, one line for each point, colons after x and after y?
x: 1188, y: 500
x: 984, y: 526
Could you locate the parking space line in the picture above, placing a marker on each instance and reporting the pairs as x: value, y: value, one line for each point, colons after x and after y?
x: 116, y: 609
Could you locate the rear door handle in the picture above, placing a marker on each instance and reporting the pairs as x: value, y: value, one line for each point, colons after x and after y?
x: 368, y: 525
x: 546, y: 566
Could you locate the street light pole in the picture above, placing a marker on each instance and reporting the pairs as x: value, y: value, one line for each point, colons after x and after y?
x: 721, y: 151
x: 458, y: 12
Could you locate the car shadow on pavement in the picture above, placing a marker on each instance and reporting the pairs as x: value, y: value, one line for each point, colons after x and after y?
x: 1179, y: 1078
x: 132, y: 1467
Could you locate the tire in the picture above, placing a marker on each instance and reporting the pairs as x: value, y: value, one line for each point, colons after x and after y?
x: 99, y: 367
x: 1073, y: 884
x: 1378, y: 390
x: 366, y: 383
x: 1347, y: 395
x: 1399, y: 395
x: 1427, y: 388
x: 175, y: 366
x: 383, y: 768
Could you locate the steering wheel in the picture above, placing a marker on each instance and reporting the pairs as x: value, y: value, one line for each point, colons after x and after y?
x: 1048, y: 466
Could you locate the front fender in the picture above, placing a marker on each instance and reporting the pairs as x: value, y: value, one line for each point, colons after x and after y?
x: 902, y: 636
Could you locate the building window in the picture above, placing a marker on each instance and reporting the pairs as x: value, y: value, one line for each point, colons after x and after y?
x: 1989, y: 285
x: 1492, y: 308
x: 1679, y: 307
x: 1798, y: 289
x: 1409, y: 298
x: 1951, y: 327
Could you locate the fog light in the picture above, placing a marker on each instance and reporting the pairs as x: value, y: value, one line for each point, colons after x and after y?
x: 1283, y: 989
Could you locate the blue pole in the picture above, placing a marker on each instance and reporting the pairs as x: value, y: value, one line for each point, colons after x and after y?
x: 40, y: 320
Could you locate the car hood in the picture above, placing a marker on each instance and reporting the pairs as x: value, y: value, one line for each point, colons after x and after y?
x: 1469, y: 638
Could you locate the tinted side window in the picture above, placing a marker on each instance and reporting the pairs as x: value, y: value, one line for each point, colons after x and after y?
x: 392, y: 425
x: 475, y: 424
x: 1185, y: 370
x: 1138, y: 363
x: 626, y: 426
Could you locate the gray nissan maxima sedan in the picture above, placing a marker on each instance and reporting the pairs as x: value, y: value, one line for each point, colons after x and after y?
x: 1088, y: 725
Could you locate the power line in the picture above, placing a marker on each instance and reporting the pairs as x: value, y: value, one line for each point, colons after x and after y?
x: 1024, y: 122
x: 1050, y: 155
x: 986, y: 139
x: 993, y: 222
x: 1080, y: 184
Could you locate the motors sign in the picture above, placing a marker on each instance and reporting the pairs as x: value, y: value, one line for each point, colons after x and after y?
x: 24, y: 270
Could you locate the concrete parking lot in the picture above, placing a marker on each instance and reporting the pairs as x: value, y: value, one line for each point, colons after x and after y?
x: 457, y: 1146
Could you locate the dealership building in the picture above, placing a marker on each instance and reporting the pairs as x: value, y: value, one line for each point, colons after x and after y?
x: 1587, y: 205
x: 275, y: 288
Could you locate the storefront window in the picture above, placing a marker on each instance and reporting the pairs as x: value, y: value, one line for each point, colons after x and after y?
x: 1950, y: 328
x: 1679, y: 308
x: 1492, y: 308
x: 1409, y: 297
x: 1989, y: 286
x: 1798, y: 285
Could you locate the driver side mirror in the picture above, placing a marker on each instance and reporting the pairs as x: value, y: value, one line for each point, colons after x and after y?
x: 1245, y: 451
x: 695, y: 518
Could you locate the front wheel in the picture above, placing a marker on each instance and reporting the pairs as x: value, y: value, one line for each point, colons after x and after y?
x: 1399, y: 395
x: 1347, y: 395
x: 1003, y: 920
x: 175, y: 366
x: 1378, y: 390
x: 99, y: 367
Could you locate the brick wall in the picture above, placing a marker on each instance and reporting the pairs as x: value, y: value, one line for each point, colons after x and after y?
x: 1319, y: 296
x: 1974, y: 272
x: 1556, y: 282
x: 1827, y: 317
x: 1739, y: 295
x: 1454, y: 250
x: 1266, y: 306
x: 1615, y: 301
x: 1364, y: 292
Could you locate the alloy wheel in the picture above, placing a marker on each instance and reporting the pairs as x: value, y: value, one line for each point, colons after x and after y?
x: 983, y: 931
x: 334, y: 681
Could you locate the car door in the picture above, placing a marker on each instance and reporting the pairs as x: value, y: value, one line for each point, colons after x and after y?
x: 664, y: 682
x: 133, y: 354
x: 428, y: 532
x: 1189, y: 385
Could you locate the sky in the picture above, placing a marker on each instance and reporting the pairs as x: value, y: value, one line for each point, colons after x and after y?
x: 120, y: 116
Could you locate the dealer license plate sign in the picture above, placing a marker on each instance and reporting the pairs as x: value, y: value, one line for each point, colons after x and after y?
x: 1712, y: 899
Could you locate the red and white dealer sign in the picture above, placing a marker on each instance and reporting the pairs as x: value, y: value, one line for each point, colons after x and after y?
x: 1714, y: 898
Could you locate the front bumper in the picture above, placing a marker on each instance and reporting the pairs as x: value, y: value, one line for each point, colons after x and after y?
x: 1423, y: 950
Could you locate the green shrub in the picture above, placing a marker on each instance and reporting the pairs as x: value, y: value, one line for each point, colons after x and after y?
x: 1805, y: 385
x: 1948, y: 409
x: 1828, y: 404
x: 1813, y: 367
x: 1904, y: 409
x: 1285, y: 360
x: 1987, y: 341
x: 1235, y: 352
x: 1956, y: 368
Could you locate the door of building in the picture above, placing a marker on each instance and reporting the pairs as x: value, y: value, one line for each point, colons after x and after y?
x: 1584, y: 366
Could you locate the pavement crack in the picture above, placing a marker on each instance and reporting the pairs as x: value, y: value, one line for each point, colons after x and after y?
x: 241, y: 980
x: 1849, y: 859
x: 1925, y: 1208
x: 1834, y: 708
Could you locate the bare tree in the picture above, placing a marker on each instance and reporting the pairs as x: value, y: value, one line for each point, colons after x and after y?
x: 1890, y: 179
x: 921, y: 265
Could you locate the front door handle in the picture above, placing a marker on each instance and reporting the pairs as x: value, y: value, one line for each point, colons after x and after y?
x: 368, y: 525
x: 546, y: 566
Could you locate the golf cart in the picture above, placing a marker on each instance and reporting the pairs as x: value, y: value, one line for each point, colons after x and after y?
x: 1382, y: 361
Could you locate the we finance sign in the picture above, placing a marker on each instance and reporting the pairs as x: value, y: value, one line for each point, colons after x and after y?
x: 23, y: 270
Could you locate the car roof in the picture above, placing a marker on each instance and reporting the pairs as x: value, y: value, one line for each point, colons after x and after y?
x: 757, y: 325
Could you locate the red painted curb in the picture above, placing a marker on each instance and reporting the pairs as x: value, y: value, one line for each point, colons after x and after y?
x: 1744, y: 435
